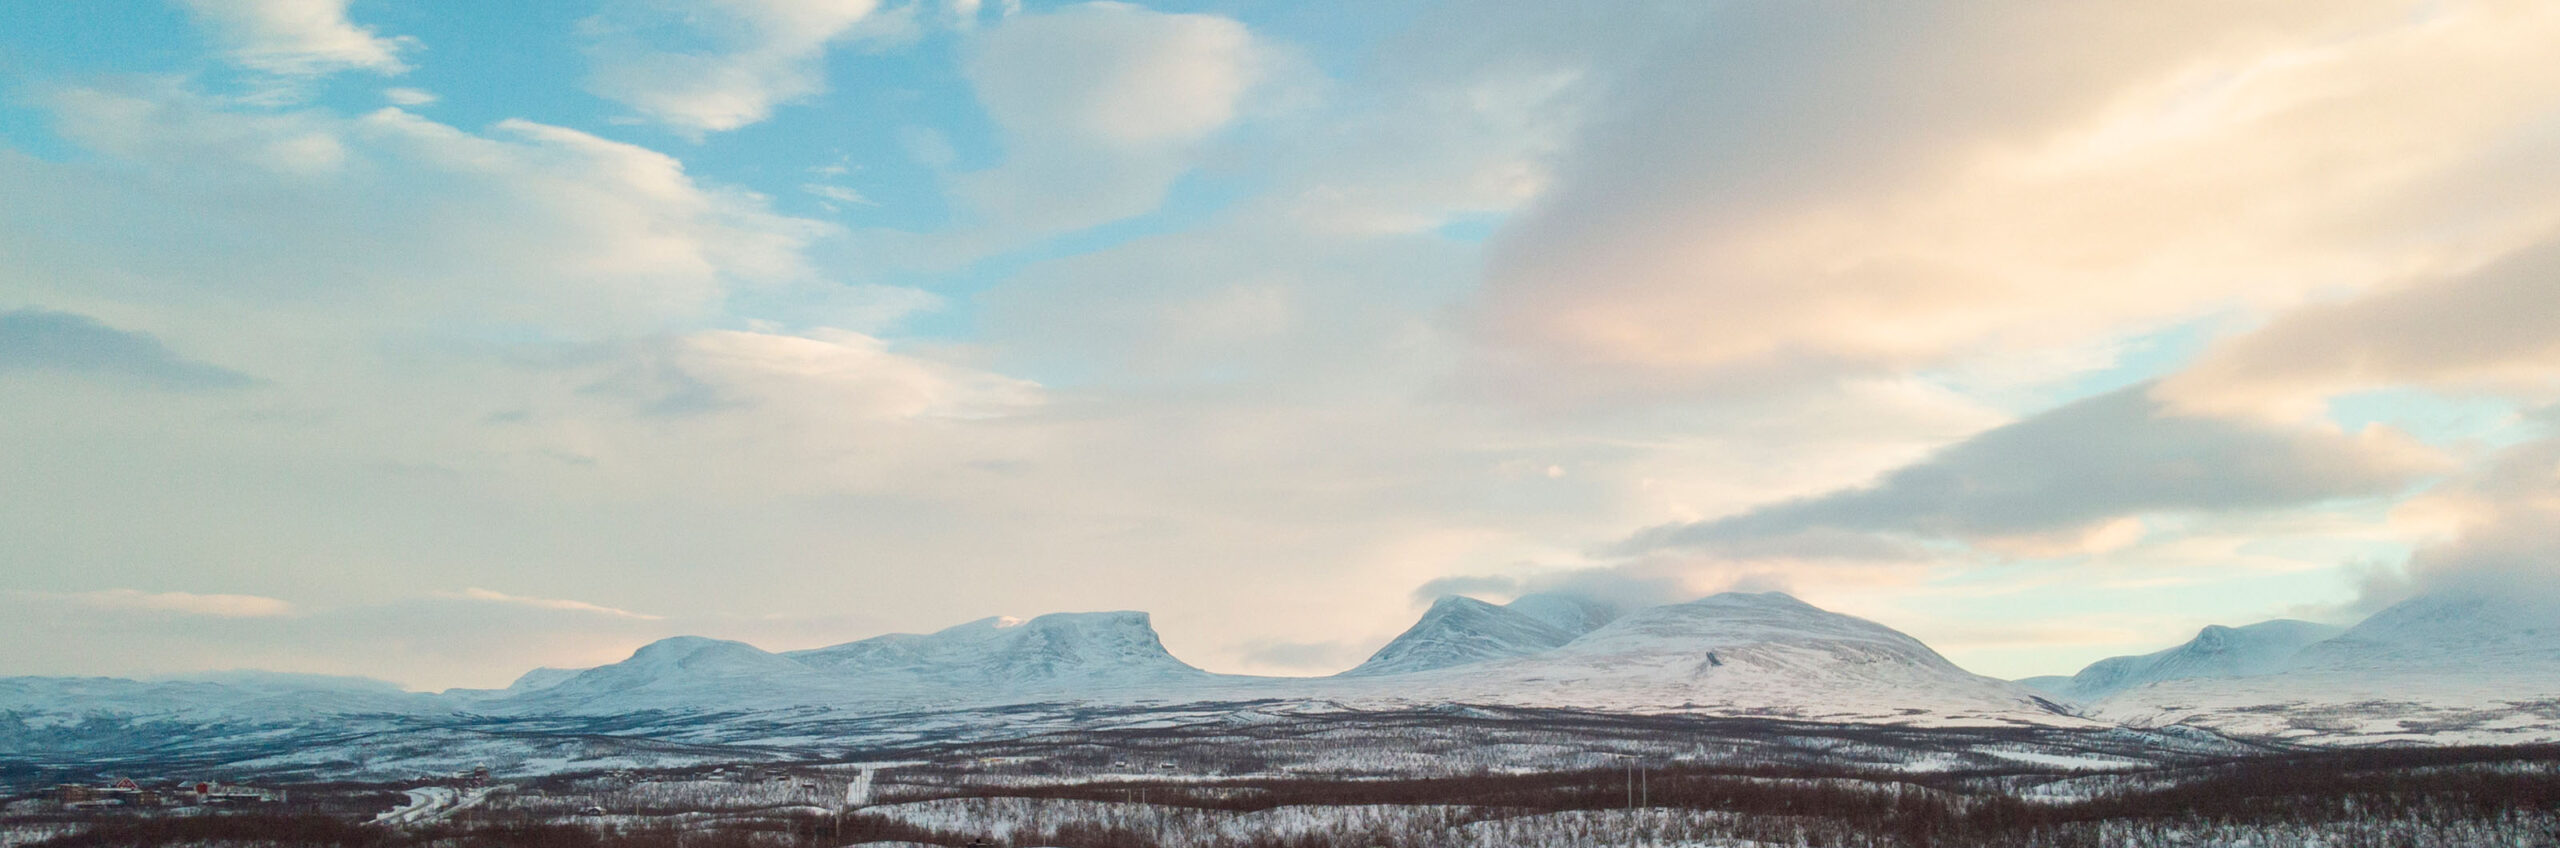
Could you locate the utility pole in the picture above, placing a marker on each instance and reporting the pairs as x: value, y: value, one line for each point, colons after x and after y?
x: 856, y: 796
x: 1639, y: 790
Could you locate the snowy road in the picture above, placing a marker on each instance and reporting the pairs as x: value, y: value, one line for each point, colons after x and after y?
x: 431, y: 804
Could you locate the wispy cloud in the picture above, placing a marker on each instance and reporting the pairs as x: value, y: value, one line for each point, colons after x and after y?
x: 182, y: 603
x: 2064, y: 481
x: 478, y: 594
x: 298, y: 38
x: 715, y: 67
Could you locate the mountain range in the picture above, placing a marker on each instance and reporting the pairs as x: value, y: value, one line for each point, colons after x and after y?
x: 1762, y: 654
x: 2216, y: 652
x: 2442, y: 668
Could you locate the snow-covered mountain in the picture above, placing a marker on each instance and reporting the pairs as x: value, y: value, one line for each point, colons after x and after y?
x: 2447, y: 668
x: 989, y: 661
x: 540, y: 678
x: 2436, y: 669
x: 1765, y: 654
x: 684, y: 673
x: 997, y: 658
x: 2448, y: 632
x: 1739, y: 653
x: 1460, y: 630
x: 227, y: 697
x: 1570, y: 613
x: 2262, y: 648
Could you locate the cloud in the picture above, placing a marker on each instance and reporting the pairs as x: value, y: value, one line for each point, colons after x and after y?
x: 1101, y: 105
x: 2490, y: 329
x: 438, y: 641
x: 2069, y: 478
x: 718, y: 66
x: 1471, y: 585
x: 478, y: 594
x: 1318, y: 657
x: 1624, y: 587
x: 183, y: 603
x: 522, y: 348
x: 298, y: 38
x: 386, y: 218
x: 2495, y: 531
x: 1789, y: 195
x: 833, y: 374
x: 1114, y: 74
x: 838, y: 194
x: 1630, y: 586
x: 409, y: 96
x: 62, y: 342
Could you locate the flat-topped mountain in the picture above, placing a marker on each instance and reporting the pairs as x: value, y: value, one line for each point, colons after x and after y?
x: 1059, y: 652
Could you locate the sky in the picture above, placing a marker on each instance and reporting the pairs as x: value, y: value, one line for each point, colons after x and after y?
x: 437, y: 341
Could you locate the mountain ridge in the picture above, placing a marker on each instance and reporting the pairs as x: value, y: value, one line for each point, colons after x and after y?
x: 1740, y: 654
x: 1458, y: 630
x: 2216, y: 651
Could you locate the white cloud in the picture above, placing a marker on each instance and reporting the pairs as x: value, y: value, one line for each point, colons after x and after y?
x: 183, y: 603
x: 827, y: 373
x: 710, y: 67
x: 1115, y: 74
x: 1791, y: 196
x: 478, y: 594
x: 384, y: 217
x: 409, y: 96
x: 838, y: 193
x: 298, y: 37
x: 2492, y: 329
x: 1103, y: 106
x: 2489, y: 533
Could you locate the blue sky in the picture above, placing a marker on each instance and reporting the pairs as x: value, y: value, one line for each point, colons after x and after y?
x: 573, y: 325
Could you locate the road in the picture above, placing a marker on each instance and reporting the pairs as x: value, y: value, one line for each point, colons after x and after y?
x: 430, y: 804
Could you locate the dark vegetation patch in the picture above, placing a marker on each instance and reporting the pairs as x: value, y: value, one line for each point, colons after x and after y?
x: 2353, y: 798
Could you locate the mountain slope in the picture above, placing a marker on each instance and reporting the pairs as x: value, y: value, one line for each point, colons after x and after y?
x: 2217, y: 651
x: 998, y: 658
x: 232, y: 697
x: 1738, y: 653
x: 685, y: 673
x: 2449, y: 669
x: 1567, y: 612
x: 1459, y: 630
x: 542, y: 678
x: 2444, y: 632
